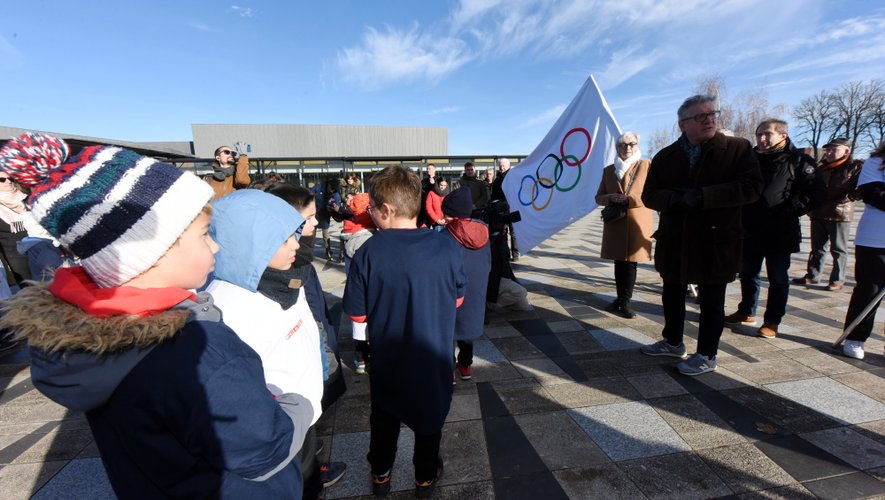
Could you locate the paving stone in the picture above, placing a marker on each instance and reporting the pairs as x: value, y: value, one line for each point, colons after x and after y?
x: 628, y: 430
x: 579, y: 342
x: 464, y: 407
x: 597, y: 391
x: 744, y: 468
x: 801, y: 459
x: 826, y: 364
x: 514, y: 348
x: 831, y: 398
x: 21, y: 481
x: 794, y: 491
x: 676, y: 476
x: 545, y: 370
x: 485, y: 350
x: 491, y: 372
x: 529, y: 487
x: 351, y: 448
x: 464, y: 452
x: 695, y: 423
x: 525, y: 396
x: 857, y: 485
x: 865, y: 382
x: 874, y: 430
x: 352, y: 415
x: 849, y: 445
x: 656, y: 385
x: 599, y: 481
x: 768, y: 372
x: 569, y: 325
x: 56, y: 445
x: 783, y: 412
x: 617, y: 339
x: 69, y: 483
x: 559, y: 441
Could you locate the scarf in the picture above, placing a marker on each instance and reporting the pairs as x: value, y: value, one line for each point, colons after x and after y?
x: 836, y: 163
x: 11, y: 208
x: 621, y: 166
x: 777, y: 148
x: 282, y: 287
x: 222, y: 173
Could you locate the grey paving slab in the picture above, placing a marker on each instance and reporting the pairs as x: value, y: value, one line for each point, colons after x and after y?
x: 695, y: 423
x: 20, y: 481
x: 870, y: 383
x: 849, y: 445
x: 628, y: 430
x: 545, y: 370
x: 856, y: 485
x: 781, y: 411
x: 485, y: 350
x: 525, y: 396
x: 874, y: 430
x: 352, y: 414
x: 768, y: 372
x: 579, y: 342
x: 559, y: 441
x: 569, y: 325
x: 514, y: 348
x: 794, y: 491
x: 831, y: 398
x: 676, y: 476
x: 598, y: 481
x: 352, y: 448
x: 617, y: 339
x: 464, y: 407
x: 744, y: 468
x: 69, y: 483
x: 464, y: 453
x: 656, y: 385
x: 597, y: 391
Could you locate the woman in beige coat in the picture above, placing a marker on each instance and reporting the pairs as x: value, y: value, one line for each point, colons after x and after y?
x: 628, y: 239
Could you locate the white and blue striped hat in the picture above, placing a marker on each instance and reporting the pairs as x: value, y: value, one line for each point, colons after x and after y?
x: 116, y: 210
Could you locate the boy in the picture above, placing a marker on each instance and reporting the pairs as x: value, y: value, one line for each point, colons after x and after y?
x: 176, y: 402
x: 260, y: 293
x: 410, y: 311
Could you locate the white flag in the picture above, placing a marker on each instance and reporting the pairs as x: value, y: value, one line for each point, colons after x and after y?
x: 556, y: 184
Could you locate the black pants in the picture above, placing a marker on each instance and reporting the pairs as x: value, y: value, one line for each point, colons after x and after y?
x: 869, y: 271
x: 712, y: 301
x: 625, y: 278
x: 382, y: 446
x: 465, y: 352
x: 310, y: 469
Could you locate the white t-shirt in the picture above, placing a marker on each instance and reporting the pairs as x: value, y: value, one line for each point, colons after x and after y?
x: 871, y: 228
x: 288, y: 342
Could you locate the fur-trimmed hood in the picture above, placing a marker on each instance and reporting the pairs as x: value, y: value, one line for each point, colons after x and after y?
x: 77, y: 360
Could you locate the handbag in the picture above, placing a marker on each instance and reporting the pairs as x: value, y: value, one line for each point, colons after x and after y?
x: 618, y: 210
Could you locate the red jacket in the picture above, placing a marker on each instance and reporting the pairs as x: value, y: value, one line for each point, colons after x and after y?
x: 433, y: 205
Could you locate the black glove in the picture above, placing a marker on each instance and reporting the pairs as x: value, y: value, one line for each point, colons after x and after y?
x: 686, y: 199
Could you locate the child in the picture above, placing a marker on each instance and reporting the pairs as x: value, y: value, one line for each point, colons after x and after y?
x: 260, y: 294
x: 410, y: 311
x: 473, y: 235
x: 176, y: 402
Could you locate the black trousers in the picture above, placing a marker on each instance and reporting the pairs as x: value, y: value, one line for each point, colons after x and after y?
x: 869, y: 271
x: 382, y: 446
x: 465, y: 352
x: 625, y: 278
x: 712, y: 302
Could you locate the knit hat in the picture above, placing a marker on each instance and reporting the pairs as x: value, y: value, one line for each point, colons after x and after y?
x: 458, y: 203
x: 116, y: 210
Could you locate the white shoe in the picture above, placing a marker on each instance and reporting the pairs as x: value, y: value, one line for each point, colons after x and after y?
x: 853, y: 349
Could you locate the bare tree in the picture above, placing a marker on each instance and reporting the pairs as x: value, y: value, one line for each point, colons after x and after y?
x: 661, y: 138
x: 876, y: 130
x: 742, y: 114
x: 854, y: 105
x: 814, y: 117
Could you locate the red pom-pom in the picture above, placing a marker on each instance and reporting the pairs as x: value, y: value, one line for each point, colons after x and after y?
x: 30, y: 157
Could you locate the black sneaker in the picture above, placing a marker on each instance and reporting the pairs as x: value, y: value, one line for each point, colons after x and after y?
x: 331, y: 472
x: 381, y: 483
x: 425, y: 489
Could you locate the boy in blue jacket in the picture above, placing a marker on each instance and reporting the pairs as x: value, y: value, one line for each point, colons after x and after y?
x: 410, y: 310
x: 176, y: 402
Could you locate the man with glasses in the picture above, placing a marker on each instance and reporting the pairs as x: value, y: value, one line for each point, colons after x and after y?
x: 230, y: 170
x: 699, y: 184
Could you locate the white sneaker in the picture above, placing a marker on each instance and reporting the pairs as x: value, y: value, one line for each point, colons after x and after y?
x: 853, y: 349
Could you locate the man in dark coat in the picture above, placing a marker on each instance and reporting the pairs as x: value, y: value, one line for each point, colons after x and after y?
x: 792, y: 188
x: 479, y: 190
x: 699, y: 184
x: 497, y: 194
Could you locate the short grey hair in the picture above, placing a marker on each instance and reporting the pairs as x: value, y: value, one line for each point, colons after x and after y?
x: 681, y: 113
x: 622, y: 139
x: 502, y: 161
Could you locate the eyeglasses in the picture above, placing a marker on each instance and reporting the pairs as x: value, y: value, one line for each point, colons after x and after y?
x: 702, y: 117
x: 4, y: 179
x: 370, y: 208
x: 628, y: 144
x: 228, y: 152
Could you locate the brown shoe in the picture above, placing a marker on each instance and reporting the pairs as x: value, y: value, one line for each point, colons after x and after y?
x: 768, y: 331
x: 832, y: 287
x: 805, y: 280
x: 739, y: 317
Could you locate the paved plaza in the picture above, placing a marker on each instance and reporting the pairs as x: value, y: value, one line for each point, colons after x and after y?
x: 563, y: 405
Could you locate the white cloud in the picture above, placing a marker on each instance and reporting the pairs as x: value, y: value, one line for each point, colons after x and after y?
x: 199, y: 26
x: 242, y: 11
x: 402, y: 55
x: 547, y: 117
x: 445, y: 110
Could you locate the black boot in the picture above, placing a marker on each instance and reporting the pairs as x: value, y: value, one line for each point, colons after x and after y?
x: 626, y: 311
x: 615, y: 306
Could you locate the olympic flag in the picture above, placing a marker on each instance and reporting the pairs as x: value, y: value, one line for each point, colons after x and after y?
x: 556, y: 184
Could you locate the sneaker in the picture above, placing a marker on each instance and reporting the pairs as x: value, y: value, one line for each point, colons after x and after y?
x: 466, y: 372
x: 739, y: 317
x: 662, y: 348
x: 425, y: 489
x: 697, y: 364
x: 853, y: 349
x: 805, y: 280
x: 832, y: 287
x: 331, y: 472
x: 768, y: 330
x: 381, y: 483
x: 359, y: 367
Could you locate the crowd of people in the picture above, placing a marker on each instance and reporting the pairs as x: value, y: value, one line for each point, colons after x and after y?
x: 186, y: 319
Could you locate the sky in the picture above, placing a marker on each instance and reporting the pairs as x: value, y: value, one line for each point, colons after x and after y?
x: 495, y: 73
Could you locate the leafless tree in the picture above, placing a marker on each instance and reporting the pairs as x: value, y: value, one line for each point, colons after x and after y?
x: 661, y: 138
x: 742, y: 114
x: 876, y: 132
x: 814, y: 118
x: 854, y: 106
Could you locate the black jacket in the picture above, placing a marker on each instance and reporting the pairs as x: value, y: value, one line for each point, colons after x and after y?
x: 479, y: 191
x: 793, y: 186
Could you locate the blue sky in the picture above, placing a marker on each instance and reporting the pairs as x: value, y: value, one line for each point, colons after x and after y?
x: 495, y: 73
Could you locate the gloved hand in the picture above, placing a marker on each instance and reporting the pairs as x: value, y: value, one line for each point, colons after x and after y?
x: 242, y: 148
x: 686, y: 199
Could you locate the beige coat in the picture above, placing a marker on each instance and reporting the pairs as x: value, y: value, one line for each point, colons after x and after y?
x: 627, y: 239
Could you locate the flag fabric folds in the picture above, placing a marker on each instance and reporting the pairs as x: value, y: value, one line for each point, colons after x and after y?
x: 556, y: 184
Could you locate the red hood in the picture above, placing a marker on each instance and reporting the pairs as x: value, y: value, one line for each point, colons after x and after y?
x: 473, y: 234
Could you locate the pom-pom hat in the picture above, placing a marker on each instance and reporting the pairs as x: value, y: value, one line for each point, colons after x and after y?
x: 116, y: 210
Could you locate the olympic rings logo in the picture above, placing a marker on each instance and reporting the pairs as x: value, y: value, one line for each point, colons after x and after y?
x: 539, y: 182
